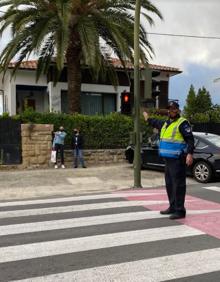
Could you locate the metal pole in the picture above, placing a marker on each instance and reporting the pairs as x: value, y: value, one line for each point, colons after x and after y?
x: 137, y: 151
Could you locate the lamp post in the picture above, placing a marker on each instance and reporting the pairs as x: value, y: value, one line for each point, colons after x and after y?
x: 137, y: 150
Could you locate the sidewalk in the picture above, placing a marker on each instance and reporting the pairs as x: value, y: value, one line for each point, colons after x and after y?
x: 65, y: 182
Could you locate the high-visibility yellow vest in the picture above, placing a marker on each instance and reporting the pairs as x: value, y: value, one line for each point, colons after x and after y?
x: 172, y: 143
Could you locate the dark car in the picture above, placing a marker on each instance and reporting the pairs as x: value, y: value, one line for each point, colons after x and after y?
x: 206, y: 157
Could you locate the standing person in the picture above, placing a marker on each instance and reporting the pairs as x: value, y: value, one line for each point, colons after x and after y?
x: 58, y: 145
x: 78, y: 143
x: 176, y: 147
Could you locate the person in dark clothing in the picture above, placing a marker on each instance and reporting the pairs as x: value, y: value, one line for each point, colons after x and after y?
x: 77, y: 143
x: 176, y: 147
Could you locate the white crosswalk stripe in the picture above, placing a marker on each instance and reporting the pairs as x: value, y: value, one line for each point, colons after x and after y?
x: 113, y: 240
x: 151, y: 270
x: 94, y: 242
x: 76, y: 198
x: 213, y: 188
x: 84, y: 221
x: 39, y: 211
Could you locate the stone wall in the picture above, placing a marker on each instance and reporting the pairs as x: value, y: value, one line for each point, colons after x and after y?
x: 37, y: 145
x: 97, y: 157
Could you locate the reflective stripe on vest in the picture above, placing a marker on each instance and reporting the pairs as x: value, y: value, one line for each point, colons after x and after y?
x: 172, y: 144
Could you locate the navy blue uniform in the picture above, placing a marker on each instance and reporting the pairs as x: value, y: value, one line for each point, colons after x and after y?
x: 175, y: 169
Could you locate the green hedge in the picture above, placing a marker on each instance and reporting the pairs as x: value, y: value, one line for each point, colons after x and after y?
x: 100, y: 132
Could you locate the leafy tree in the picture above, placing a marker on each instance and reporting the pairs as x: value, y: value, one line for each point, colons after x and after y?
x: 73, y: 30
x: 199, y: 103
x: 190, y: 107
x: 203, y: 101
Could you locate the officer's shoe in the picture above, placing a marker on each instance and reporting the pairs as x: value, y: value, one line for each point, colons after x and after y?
x: 177, y: 215
x: 167, y: 211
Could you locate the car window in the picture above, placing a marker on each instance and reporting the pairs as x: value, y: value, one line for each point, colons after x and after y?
x: 200, y: 145
x: 214, y: 139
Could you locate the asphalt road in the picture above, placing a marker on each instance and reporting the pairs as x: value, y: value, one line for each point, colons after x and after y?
x: 114, y: 236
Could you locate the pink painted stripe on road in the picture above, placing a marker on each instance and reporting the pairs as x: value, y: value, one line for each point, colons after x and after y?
x: 208, y: 223
x: 192, y: 203
x: 156, y: 197
x: 143, y: 190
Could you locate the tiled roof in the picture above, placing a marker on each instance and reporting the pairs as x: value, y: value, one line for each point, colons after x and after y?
x: 117, y: 63
x: 25, y: 65
x: 32, y: 65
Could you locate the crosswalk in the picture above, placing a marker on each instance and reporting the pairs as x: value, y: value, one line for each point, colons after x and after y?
x: 118, y: 236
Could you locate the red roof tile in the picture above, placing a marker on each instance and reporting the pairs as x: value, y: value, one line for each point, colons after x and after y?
x: 32, y: 65
x: 117, y: 63
x: 25, y: 65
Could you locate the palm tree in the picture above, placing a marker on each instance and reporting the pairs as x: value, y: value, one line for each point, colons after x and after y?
x: 73, y: 31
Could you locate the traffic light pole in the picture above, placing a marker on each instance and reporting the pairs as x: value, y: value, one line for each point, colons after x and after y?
x: 137, y: 151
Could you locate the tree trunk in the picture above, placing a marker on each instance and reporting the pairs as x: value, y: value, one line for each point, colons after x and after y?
x: 73, y: 57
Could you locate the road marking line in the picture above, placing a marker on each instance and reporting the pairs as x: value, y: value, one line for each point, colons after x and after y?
x: 74, y: 208
x: 213, y: 188
x: 76, y: 198
x: 152, y: 270
x: 58, y: 247
x: 76, y: 222
x: 22, y: 228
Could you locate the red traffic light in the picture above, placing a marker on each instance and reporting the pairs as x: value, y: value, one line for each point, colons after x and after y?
x: 126, y: 103
x: 126, y: 98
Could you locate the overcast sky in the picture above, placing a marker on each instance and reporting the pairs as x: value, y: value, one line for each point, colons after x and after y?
x: 199, y: 59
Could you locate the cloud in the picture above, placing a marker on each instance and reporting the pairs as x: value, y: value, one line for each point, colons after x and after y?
x: 198, y: 58
x: 197, y: 76
x: 190, y: 17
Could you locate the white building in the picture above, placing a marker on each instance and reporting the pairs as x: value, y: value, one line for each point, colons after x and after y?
x: 22, y: 90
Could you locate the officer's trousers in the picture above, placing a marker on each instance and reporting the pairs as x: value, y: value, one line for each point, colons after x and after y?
x: 175, y: 179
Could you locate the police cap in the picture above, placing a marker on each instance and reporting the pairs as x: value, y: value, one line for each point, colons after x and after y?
x: 173, y: 104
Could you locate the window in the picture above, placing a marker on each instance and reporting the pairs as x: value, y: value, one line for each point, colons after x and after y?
x: 64, y: 102
x: 214, y: 139
x: 200, y: 145
x: 92, y: 103
x: 98, y: 103
x: 31, y: 96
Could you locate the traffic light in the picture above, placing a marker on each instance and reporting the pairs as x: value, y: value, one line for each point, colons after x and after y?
x: 126, y: 103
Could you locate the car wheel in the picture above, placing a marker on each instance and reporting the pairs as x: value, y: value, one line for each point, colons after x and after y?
x: 202, y: 172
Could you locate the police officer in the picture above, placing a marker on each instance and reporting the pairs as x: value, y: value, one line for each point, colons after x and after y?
x: 176, y: 147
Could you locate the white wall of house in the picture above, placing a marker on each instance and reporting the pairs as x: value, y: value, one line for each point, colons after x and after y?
x: 1, y: 97
x: 9, y: 94
x: 28, y: 78
x: 55, y: 95
x: 22, y: 77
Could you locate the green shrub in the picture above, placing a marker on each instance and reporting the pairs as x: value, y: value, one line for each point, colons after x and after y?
x: 100, y: 132
x: 200, y: 118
